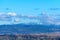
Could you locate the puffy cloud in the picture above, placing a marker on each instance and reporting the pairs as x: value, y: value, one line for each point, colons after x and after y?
x: 16, y: 20
x: 5, y: 18
x: 32, y: 17
x: 27, y: 16
x: 12, y: 14
x: 43, y: 19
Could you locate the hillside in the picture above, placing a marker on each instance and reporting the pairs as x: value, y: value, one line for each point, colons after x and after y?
x: 28, y: 29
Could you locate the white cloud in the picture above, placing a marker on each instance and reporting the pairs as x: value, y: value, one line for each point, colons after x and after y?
x: 43, y: 18
x: 12, y: 14
x: 17, y: 20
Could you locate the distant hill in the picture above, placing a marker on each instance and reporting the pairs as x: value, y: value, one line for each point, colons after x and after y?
x: 28, y: 29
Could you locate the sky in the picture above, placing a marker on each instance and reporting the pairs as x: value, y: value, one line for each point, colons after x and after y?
x: 30, y: 7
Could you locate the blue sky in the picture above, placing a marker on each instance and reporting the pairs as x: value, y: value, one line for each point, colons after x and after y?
x: 30, y: 7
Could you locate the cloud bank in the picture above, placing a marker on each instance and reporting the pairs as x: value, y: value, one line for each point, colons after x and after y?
x: 42, y: 19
